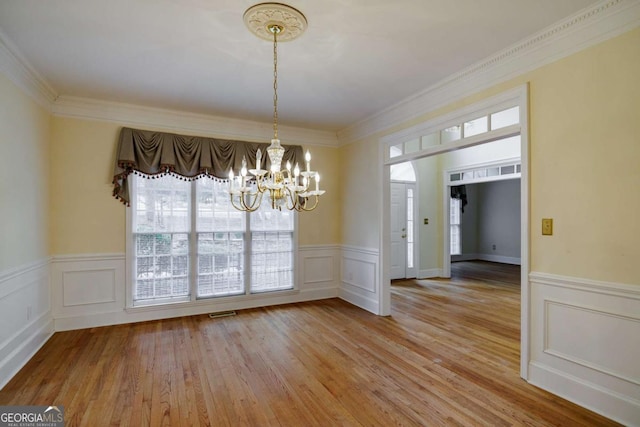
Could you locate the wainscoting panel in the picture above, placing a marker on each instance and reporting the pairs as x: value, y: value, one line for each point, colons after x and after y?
x: 25, y: 315
x: 88, y: 287
x: 87, y: 284
x: 360, y: 282
x: 89, y: 290
x: 585, y: 343
x: 318, y: 267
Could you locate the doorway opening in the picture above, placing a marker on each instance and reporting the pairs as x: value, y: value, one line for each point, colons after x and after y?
x: 499, y: 118
x: 482, y: 205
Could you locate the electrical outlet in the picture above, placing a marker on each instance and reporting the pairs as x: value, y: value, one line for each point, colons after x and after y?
x: 547, y: 226
x: 426, y: 221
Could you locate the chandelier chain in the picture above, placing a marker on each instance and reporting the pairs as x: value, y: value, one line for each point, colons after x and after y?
x: 275, y: 30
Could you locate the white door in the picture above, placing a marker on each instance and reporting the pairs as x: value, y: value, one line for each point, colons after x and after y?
x: 398, y: 230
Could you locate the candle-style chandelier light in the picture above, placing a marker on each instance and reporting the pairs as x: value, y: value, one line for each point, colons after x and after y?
x: 289, y: 188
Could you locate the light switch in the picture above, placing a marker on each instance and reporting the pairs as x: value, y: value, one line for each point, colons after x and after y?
x: 547, y: 226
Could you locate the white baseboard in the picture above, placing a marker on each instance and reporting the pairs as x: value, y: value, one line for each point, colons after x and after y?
x: 429, y: 273
x: 487, y: 257
x: 623, y: 409
x: 25, y: 344
x: 148, y: 313
x: 464, y: 257
x: 499, y: 258
x: 359, y: 300
x: 583, y: 344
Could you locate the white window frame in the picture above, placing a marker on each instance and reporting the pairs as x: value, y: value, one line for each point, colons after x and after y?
x: 455, y: 204
x: 192, y: 298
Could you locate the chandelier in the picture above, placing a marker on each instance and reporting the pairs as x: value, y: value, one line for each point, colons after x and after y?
x: 289, y: 188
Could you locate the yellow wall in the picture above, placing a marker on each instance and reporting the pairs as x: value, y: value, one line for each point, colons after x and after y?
x: 584, y: 165
x: 360, y: 194
x: 323, y: 225
x: 85, y: 218
x: 585, y: 157
x: 24, y: 172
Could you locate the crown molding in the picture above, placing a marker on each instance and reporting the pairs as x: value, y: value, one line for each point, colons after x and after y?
x: 588, y: 27
x: 180, y: 121
x: 22, y: 74
x: 591, y: 26
x: 19, y: 71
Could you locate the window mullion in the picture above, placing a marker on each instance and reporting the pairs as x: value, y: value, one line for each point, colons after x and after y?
x: 193, y: 244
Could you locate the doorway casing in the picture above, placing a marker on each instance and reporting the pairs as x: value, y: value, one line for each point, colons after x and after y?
x: 515, y: 97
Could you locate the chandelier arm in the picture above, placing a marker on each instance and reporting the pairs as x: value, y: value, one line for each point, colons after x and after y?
x: 290, y: 199
x: 235, y: 206
x: 303, y: 207
x: 252, y: 193
x: 243, y: 205
x: 255, y: 204
x: 260, y: 182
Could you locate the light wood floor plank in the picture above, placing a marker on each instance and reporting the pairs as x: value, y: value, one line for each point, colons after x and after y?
x: 448, y: 356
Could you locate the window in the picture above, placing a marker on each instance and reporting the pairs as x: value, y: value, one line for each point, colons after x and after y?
x: 455, y: 208
x: 427, y: 136
x: 403, y: 172
x: 190, y: 243
x: 161, y: 239
x: 220, y: 236
x: 271, y: 249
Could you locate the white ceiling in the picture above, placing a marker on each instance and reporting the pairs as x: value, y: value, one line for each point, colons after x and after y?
x: 356, y: 58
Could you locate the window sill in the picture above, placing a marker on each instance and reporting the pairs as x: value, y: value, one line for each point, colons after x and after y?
x: 211, y: 301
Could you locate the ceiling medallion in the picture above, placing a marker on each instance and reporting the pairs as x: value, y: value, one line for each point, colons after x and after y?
x: 262, y: 17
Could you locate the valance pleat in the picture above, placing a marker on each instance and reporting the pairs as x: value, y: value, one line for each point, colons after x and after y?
x: 190, y: 157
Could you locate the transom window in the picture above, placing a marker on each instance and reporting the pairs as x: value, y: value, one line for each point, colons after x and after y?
x: 493, y: 172
x: 189, y: 243
x: 403, y: 172
x: 485, y: 124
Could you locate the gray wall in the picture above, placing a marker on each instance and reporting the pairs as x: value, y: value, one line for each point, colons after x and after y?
x: 492, y: 217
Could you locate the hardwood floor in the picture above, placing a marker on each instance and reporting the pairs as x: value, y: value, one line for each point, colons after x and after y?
x: 448, y: 355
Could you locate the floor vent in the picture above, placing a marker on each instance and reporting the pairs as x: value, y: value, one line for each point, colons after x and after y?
x: 222, y: 314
